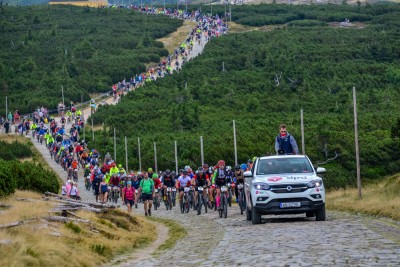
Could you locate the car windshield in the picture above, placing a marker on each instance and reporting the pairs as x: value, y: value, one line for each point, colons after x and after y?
x: 283, y: 165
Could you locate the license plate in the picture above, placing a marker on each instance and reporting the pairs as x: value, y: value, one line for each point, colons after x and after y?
x: 186, y: 189
x: 169, y: 189
x: 224, y: 189
x: 290, y: 205
x: 200, y: 188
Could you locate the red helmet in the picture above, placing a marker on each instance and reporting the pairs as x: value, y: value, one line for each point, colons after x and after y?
x: 221, y: 162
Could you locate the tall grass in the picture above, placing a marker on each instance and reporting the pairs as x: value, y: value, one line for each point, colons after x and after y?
x: 79, y: 244
x: 378, y: 198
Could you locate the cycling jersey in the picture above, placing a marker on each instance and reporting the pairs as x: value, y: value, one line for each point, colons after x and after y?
x: 201, y: 180
x: 168, y: 181
x: 184, y: 181
x: 219, y: 177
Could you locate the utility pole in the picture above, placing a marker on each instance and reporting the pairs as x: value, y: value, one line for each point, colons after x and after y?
x: 303, y: 146
x: 201, y: 150
x: 176, y: 158
x: 155, y: 157
x: 140, y: 159
x: 62, y: 93
x: 126, y: 155
x: 6, y: 107
x: 356, y: 143
x: 115, y: 147
x: 234, y: 142
x: 230, y: 13
x: 92, y: 132
x: 211, y: 8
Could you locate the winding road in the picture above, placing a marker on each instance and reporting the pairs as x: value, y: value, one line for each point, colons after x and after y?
x: 287, y: 240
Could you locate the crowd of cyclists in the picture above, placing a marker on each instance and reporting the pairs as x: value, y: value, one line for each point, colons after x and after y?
x: 109, y: 181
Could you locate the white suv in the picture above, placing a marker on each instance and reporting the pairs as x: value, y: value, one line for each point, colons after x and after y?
x: 284, y: 184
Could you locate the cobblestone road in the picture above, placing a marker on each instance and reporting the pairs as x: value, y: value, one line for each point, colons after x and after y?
x: 342, y: 240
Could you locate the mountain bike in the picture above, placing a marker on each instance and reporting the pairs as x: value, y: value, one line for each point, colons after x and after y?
x: 156, y: 200
x: 185, y: 205
x: 173, y: 196
x: 230, y: 193
x: 70, y: 171
x: 202, y: 199
x: 168, y: 200
x: 115, y: 193
x: 241, y: 198
x: 75, y: 175
x: 87, y: 183
x: 223, y: 208
x: 191, y: 198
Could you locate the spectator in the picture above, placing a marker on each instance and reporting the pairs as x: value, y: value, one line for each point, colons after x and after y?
x: 285, y: 143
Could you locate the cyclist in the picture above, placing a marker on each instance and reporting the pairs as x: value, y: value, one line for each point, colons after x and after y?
x: 184, y: 181
x: 146, y: 188
x: 121, y: 170
x: 107, y: 158
x: 200, y: 179
x: 135, y: 184
x: 239, y: 179
x: 157, y: 182
x: 168, y: 181
x: 219, y: 179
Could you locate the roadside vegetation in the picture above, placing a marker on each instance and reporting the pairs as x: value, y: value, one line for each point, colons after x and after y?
x: 20, y: 168
x: 38, y: 242
x: 83, y: 49
x: 378, y: 198
x: 261, y: 79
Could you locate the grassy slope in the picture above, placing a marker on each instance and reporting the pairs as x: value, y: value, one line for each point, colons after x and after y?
x: 378, y: 198
x: 33, y: 243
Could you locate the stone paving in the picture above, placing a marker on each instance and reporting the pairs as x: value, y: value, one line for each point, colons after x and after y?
x: 342, y: 240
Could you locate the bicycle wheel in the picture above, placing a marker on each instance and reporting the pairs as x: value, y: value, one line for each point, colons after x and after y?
x: 199, y: 204
x: 187, y: 205
x: 155, y: 201
x: 225, y: 208
x: 182, y: 207
x: 205, y: 202
x: 241, y: 202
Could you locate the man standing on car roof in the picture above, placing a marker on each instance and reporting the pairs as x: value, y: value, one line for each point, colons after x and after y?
x: 285, y: 143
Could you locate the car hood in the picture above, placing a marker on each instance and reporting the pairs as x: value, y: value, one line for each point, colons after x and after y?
x: 286, y: 178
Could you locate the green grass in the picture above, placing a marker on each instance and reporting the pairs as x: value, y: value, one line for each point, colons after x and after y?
x: 176, y: 233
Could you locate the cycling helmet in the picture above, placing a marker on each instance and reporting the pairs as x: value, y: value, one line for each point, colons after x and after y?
x: 243, y: 166
x: 150, y: 169
x: 155, y: 176
x: 221, y: 162
x: 200, y: 169
x: 139, y: 173
x: 237, y: 167
x: 181, y: 170
x: 211, y: 169
x: 187, y: 167
x: 184, y: 172
x: 205, y: 166
x: 228, y: 168
x: 167, y: 172
x: 173, y: 173
x: 119, y: 165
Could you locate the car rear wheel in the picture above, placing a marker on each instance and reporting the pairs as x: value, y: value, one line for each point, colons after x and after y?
x: 321, y: 215
x: 255, y: 216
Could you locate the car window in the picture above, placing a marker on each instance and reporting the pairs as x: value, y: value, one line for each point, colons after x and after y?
x: 283, y: 165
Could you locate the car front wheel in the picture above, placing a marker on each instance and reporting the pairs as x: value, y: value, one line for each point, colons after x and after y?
x: 255, y: 216
x: 248, y: 214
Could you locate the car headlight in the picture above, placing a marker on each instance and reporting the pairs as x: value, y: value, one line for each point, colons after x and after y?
x: 261, y: 186
x: 314, y: 183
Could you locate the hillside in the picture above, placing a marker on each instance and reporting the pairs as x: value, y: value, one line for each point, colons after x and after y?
x: 316, y: 65
x: 85, y: 50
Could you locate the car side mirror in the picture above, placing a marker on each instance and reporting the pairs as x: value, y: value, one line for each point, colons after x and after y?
x: 248, y: 174
x: 321, y: 170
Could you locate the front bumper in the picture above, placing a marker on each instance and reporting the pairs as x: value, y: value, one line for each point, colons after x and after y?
x: 273, y: 206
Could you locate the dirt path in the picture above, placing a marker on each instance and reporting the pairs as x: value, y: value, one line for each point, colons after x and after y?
x: 143, y: 254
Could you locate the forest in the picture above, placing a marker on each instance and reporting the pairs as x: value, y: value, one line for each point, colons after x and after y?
x: 263, y: 78
x: 82, y: 50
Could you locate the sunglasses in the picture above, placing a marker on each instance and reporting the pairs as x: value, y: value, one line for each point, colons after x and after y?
x: 283, y: 131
